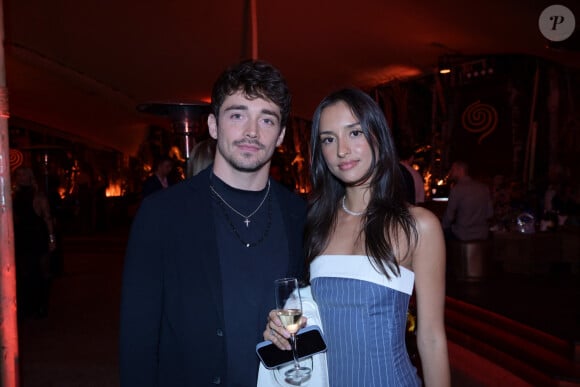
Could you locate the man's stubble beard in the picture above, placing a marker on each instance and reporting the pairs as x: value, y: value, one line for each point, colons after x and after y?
x: 239, y: 165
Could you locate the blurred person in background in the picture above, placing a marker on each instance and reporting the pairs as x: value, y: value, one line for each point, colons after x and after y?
x: 406, y: 158
x: 159, y: 179
x: 201, y: 157
x: 470, y: 207
x: 34, y: 240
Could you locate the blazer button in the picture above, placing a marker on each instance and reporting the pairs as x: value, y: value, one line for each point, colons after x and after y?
x: 216, y: 380
x: 219, y: 332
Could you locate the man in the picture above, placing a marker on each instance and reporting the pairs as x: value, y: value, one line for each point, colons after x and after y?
x: 469, y: 207
x: 203, y: 255
x: 407, y: 157
x: 158, y: 180
x: 409, y: 184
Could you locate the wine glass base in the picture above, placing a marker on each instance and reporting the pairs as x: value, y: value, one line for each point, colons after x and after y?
x: 297, y: 376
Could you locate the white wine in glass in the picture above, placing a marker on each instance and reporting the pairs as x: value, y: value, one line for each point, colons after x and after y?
x: 289, y: 306
x: 290, y: 319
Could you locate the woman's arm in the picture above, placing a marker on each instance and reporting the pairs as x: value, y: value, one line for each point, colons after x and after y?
x: 429, y: 267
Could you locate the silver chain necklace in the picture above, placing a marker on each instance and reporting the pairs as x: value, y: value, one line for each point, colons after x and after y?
x: 353, y: 213
x: 246, y: 217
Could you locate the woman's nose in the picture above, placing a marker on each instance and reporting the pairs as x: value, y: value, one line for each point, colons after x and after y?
x: 343, y: 149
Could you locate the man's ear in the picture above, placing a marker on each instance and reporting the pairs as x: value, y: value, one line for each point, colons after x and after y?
x: 212, y: 126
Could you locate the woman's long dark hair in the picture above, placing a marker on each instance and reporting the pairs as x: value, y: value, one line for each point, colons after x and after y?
x: 387, y: 212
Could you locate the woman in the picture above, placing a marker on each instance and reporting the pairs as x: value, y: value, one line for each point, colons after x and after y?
x: 367, y: 249
x: 202, y: 156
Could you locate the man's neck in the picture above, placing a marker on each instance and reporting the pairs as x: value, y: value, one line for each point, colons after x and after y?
x: 248, y: 181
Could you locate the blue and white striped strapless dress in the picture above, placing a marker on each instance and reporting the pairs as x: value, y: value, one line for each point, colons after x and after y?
x: 364, y: 317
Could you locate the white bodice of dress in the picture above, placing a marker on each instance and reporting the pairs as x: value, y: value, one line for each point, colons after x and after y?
x: 360, y: 267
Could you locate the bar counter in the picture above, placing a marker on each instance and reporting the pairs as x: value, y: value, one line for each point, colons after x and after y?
x: 538, y: 252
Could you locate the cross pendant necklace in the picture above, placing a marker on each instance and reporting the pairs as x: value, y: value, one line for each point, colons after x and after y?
x: 246, y: 217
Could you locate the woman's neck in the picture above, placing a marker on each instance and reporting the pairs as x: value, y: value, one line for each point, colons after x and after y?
x: 357, y: 199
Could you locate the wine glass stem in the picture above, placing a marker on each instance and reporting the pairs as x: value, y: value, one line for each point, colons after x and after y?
x: 294, y: 351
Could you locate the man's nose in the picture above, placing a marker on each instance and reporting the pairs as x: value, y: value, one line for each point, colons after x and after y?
x: 252, y: 129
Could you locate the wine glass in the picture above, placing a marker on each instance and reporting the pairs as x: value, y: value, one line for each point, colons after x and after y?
x: 289, y: 310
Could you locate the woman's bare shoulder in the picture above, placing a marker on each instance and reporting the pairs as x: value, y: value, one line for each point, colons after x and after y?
x: 430, y: 250
x: 424, y: 219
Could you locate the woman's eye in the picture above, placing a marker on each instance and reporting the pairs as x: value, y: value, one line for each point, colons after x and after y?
x: 356, y: 133
x: 326, y: 140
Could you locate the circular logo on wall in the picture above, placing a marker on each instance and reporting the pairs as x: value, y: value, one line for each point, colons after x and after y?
x: 557, y: 23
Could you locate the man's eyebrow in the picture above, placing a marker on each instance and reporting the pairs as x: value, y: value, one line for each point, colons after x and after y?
x: 236, y: 107
x: 270, y: 112
x: 244, y: 107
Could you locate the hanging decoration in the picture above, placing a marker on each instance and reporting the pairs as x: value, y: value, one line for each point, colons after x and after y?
x: 480, y: 118
x: 16, y: 159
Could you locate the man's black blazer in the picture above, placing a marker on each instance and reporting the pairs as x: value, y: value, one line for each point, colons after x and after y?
x: 172, y: 321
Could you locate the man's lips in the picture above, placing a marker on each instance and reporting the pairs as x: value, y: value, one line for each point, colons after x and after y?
x: 249, y: 147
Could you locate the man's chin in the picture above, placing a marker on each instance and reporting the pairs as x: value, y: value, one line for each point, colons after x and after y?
x: 248, y: 167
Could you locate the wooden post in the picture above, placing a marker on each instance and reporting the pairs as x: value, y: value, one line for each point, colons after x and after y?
x: 528, y: 162
x: 8, y: 319
x: 254, y: 28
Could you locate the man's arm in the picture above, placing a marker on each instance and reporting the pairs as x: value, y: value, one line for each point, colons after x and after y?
x: 141, y: 301
x: 449, y: 215
x: 490, y: 212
